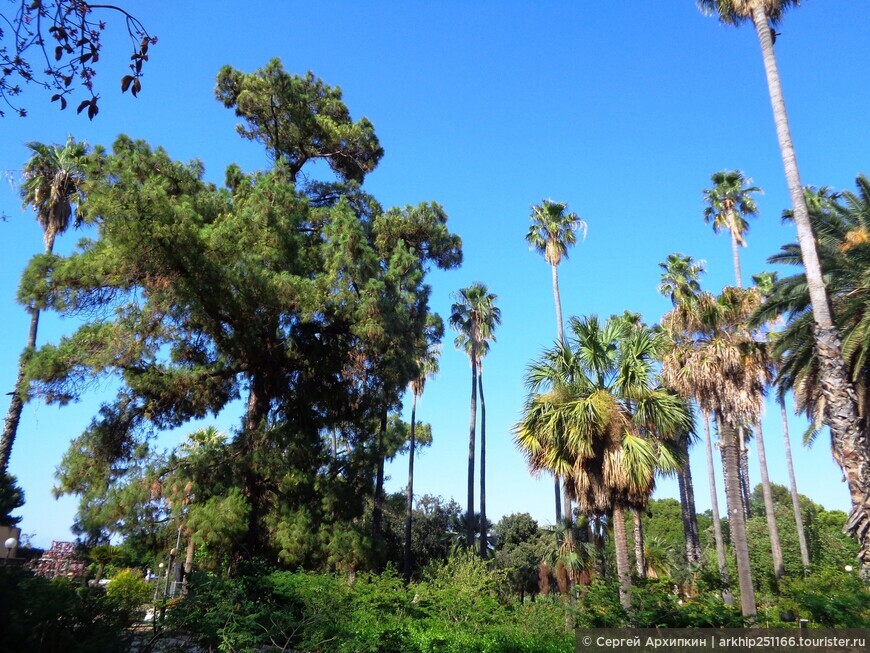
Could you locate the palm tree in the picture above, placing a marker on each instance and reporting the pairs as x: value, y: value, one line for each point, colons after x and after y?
x: 475, y: 316
x: 849, y: 440
x: 720, y: 362
x: 428, y: 367
x: 681, y: 277
x: 597, y: 416
x: 842, y: 222
x: 680, y: 282
x: 729, y: 202
x: 551, y: 233
x: 53, y: 178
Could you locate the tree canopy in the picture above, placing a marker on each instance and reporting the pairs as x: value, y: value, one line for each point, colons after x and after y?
x: 196, y: 296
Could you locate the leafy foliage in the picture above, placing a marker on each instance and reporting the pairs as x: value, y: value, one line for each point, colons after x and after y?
x: 65, y: 37
x: 57, y: 616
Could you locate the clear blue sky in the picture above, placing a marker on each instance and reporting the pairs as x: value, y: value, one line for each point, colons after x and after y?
x: 622, y: 109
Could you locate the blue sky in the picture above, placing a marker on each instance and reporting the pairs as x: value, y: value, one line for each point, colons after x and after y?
x: 622, y: 109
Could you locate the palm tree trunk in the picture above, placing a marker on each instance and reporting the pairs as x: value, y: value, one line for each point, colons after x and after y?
x: 745, y: 489
x: 409, y: 511
x: 775, y: 547
x: 469, y: 526
x: 639, y: 555
x: 687, y: 509
x: 484, y: 537
x: 736, y: 522
x: 795, y: 501
x: 727, y: 597
x: 620, y: 541
x: 849, y: 442
x: 560, y: 329
x: 16, y: 403
x: 735, y: 253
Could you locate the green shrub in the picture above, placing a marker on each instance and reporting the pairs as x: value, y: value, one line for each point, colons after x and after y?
x: 129, y: 590
x: 58, y: 616
x: 829, y: 597
x: 454, y: 610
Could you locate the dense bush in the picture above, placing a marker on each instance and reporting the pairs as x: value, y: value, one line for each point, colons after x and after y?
x: 455, y: 609
x: 58, y: 616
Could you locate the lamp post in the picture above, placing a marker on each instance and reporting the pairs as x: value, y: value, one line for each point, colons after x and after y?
x: 10, y: 544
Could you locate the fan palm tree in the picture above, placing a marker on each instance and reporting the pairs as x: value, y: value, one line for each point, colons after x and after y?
x: 53, y: 179
x: 428, y: 367
x: 551, y: 233
x: 597, y: 416
x: 680, y: 282
x: 681, y: 277
x: 475, y: 316
x: 729, y: 203
x: 842, y: 222
x: 842, y: 414
x: 724, y: 365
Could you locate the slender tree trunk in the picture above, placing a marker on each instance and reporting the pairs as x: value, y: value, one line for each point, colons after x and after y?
x: 687, y: 509
x: 620, y: 540
x: 736, y: 522
x: 469, y: 527
x: 484, y: 536
x: 16, y: 403
x: 378, y: 509
x: 639, y: 553
x: 409, y: 509
x: 334, y: 439
x: 795, y: 501
x: 560, y: 330
x: 727, y: 597
x: 849, y: 442
x: 775, y: 547
x: 743, y: 469
x: 735, y: 253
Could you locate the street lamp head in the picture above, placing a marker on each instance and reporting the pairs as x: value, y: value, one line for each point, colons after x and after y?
x: 10, y: 543
x: 160, y: 566
x: 173, y: 552
x: 848, y: 568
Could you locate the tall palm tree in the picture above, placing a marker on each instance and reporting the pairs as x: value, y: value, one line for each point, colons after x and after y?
x: 475, y: 316
x: 729, y: 203
x: 428, y: 367
x: 680, y: 282
x: 724, y: 365
x: 842, y: 222
x: 849, y: 440
x: 597, y: 415
x: 53, y: 179
x: 551, y: 233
